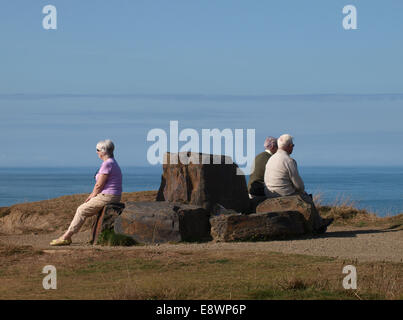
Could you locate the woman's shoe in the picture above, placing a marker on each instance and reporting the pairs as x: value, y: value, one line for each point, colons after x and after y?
x: 60, y: 242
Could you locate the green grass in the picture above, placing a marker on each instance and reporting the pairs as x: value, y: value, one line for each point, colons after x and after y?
x: 110, y: 238
x: 220, y: 261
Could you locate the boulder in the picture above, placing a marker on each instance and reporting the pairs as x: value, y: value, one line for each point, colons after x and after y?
x: 266, y: 226
x: 159, y: 222
x: 291, y: 203
x: 106, y: 220
x: 203, y: 184
x: 255, y: 201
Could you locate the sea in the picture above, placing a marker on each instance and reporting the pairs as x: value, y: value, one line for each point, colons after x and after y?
x: 376, y: 189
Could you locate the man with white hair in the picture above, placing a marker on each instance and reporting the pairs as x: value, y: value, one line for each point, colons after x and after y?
x: 282, y: 179
x: 281, y: 175
x: 256, y: 179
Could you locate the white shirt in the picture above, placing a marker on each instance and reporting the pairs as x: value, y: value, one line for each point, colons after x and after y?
x: 281, y: 175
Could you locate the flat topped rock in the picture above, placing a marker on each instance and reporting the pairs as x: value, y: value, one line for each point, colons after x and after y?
x: 291, y: 203
x: 158, y: 222
x: 258, y: 226
x: 201, y: 184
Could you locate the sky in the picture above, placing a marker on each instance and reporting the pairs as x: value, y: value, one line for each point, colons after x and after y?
x: 118, y: 69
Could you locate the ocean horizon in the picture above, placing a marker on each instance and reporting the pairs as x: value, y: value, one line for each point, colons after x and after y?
x: 376, y: 189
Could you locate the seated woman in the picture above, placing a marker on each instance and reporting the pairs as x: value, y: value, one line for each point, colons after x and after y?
x: 107, y: 189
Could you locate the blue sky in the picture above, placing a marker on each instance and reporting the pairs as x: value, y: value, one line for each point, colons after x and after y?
x: 120, y: 68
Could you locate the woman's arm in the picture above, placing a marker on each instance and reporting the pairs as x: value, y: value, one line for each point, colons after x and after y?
x: 99, y: 186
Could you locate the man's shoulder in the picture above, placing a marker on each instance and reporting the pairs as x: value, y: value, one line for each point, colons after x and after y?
x: 291, y: 159
x: 279, y: 155
x: 263, y: 155
x: 273, y: 160
x: 282, y: 157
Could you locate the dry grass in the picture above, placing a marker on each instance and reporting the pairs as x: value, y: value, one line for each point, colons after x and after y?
x: 7, y: 250
x: 131, y: 290
x: 375, y: 281
x: 344, y: 212
x: 144, y: 274
x: 139, y: 196
x: 382, y: 279
x: 4, y: 211
x: 66, y: 205
x: 55, y: 214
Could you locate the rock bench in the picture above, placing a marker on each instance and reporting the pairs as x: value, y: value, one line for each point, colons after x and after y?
x: 292, y: 203
x: 105, y: 220
x: 258, y: 226
x: 163, y: 221
x: 155, y: 222
x: 204, y: 201
x: 275, y: 218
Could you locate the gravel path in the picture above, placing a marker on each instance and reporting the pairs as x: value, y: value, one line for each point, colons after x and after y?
x: 363, y: 244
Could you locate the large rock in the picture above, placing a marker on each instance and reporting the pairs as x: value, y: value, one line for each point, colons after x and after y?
x: 158, y: 222
x: 106, y: 220
x: 291, y: 203
x: 204, y: 185
x: 267, y: 226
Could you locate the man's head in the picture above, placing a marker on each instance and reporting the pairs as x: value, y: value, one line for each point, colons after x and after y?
x: 285, y: 143
x: 271, y: 144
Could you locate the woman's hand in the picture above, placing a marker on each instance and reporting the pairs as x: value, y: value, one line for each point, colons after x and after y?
x: 89, y: 198
x: 99, y: 186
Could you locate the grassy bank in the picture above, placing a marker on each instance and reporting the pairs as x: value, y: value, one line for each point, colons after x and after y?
x: 346, y: 213
x: 54, y: 214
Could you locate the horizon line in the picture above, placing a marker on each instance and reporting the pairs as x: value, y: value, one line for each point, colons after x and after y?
x: 210, y: 97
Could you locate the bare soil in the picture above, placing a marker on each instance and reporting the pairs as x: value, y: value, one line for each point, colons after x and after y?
x: 343, y: 242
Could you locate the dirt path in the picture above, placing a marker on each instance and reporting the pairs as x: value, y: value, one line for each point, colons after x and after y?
x: 363, y: 244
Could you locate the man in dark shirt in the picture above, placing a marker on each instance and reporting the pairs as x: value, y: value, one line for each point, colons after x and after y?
x: 256, y: 180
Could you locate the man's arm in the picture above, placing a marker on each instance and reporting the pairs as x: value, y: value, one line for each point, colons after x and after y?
x: 295, y: 177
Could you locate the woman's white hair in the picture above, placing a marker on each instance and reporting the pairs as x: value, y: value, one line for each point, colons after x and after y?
x: 284, y: 141
x: 106, y: 146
